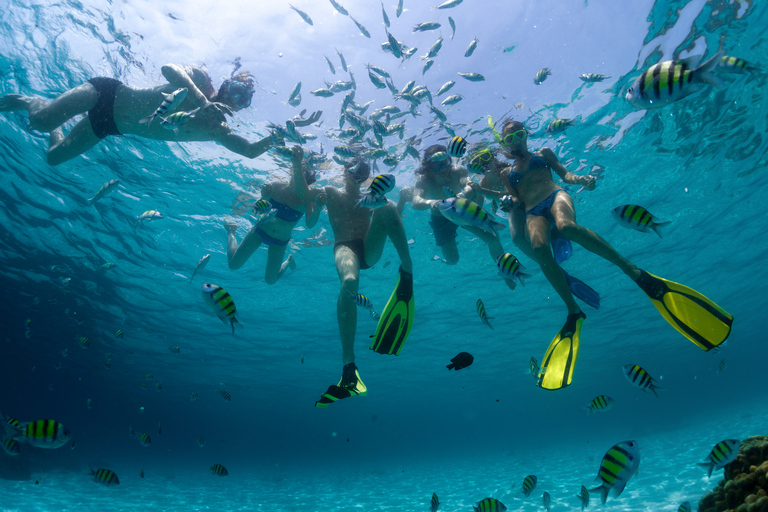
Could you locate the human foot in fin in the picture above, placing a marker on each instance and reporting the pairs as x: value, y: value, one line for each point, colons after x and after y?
x: 349, y: 385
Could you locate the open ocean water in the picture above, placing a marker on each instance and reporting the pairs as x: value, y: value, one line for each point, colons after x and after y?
x: 467, y: 435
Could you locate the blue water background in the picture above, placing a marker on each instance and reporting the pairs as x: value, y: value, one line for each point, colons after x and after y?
x: 699, y: 163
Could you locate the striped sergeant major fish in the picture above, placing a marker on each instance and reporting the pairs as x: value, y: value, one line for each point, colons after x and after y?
x: 721, y: 455
x: 617, y: 467
x: 175, y: 120
x: 638, y: 218
x: 729, y: 64
x: 382, y: 184
x: 559, y: 125
x: 593, y: 77
x: 541, y: 76
x: 434, y: 503
x: 105, y: 476
x: 457, y: 147
x: 222, y: 304
x: 225, y: 395
x: 219, y: 470
x: 365, y: 303
x: 672, y: 80
x: 529, y: 484
x: 600, y: 403
x: 583, y: 497
x: 463, y: 212
x: 684, y: 507
x: 483, y: 315
x: 169, y: 104
x: 149, y: 216
x: 490, y: 505
x: 510, y: 268
x: 105, y: 190
x: 40, y: 433
x: 145, y: 440
x: 640, y: 378
x: 11, y: 447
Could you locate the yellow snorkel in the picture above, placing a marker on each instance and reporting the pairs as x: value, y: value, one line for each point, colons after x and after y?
x: 496, y: 134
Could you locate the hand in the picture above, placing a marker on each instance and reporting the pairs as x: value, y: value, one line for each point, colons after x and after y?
x: 217, y: 111
x: 321, y: 199
x: 298, y: 155
x: 300, y: 121
x: 589, y: 182
x: 506, y: 204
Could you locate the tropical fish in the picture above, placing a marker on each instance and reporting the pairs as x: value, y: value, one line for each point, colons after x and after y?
x: 483, y: 316
x: 219, y: 470
x: 108, y: 265
x: 158, y: 386
x: 638, y: 218
x: 462, y: 360
x: 445, y: 87
x: 201, y: 263
x: 434, y: 503
x: 339, y: 8
x: 200, y: 442
x: 471, y: 48
x: 119, y: 333
x: 368, y: 201
x: 452, y: 100
x: 584, y: 497
x: 457, y: 147
x: 546, y: 499
x: 672, y: 80
x: 105, y: 190
x: 225, y: 395
x: 430, y: 25
x: 131, y: 432
x: 729, y: 64
x: 600, y: 403
x: 592, y: 77
x: 141, y: 473
x: 617, y: 467
x: 341, y: 58
x: 684, y: 507
x: 105, y: 476
x: 640, y: 378
x: 365, y: 303
x: 541, y: 76
x: 322, y: 93
x: 376, y: 81
x: 382, y: 184
x: 40, y: 433
x: 399, y: 8
x: 193, y: 396
x: 89, y: 403
x: 330, y: 64
x: 529, y: 484
x: 463, y: 212
x: 303, y: 15
x: 361, y: 28
x: 169, y: 104
x: 149, y: 216
x: 533, y: 367
x: 435, y: 48
x: 175, y: 120
x: 490, y: 505
x: 145, y: 440
x: 559, y: 125
x: 174, y: 349
x: 222, y: 304
x: 453, y: 27
x: 510, y: 268
x: 384, y: 15
x: 472, y: 77
x: 11, y: 447
x: 722, y: 454
x: 427, y: 64
x: 721, y: 366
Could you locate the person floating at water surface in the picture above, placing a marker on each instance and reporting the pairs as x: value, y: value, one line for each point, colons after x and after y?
x: 276, y: 232
x: 360, y: 234
x: 114, y: 108
x: 534, y: 192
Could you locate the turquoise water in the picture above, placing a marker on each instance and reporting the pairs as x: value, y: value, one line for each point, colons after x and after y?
x: 466, y: 435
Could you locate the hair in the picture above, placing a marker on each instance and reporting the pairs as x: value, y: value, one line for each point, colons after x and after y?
x: 243, y: 77
x: 512, y: 126
x: 426, y: 160
x: 363, y: 171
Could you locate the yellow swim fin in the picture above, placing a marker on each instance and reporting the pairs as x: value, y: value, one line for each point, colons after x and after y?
x: 556, y: 371
x: 691, y: 313
x: 349, y: 385
x: 396, y: 320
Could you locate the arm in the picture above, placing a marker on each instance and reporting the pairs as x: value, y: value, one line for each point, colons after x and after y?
x: 306, y: 193
x: 419, y: 202
x: 313, y: 211
x: 242, y: 146
x: 588, y: 181
x: 179, y: 77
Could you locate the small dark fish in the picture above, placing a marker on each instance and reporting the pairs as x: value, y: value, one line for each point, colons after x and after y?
x: 462, y: 360
x: 529, y: 484
x: 219, y: 470
x: 303, y: 15
x: 541, y: 76
x: 583, y: 497
x: 546, y: 499
x: 434, y: 503
x: 593, y: 77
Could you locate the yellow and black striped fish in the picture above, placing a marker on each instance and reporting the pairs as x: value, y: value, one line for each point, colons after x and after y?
x: 11, y: 447
x: 721, y: 366
x: 105, y: 476
x: 145, y: 440
x: 638, y: 218
x: 730, y: 64
x: 174, y: 349
x: 219, y: 470
x: 365, y: 303
x: 483, y: 316
x: 559, y: 125
x: 684, y: 507
x: 381, y: 184
x: 226, y: 396
x: 721, y: 455
x: 617, y: 467
x: 510, y: 268
x: 583, y: 497
x: 40, y: 433
x: 222, y: 304
x: 600, y: 403
x: 457, y: 146
x: 672, y: 80
x: 529, y: 484
x: 490, y: 505
x: 593, y: 77
x: 119, y: 333
x: 83, y: 342
x: 640, y: 378
x: 434, y: 503
x: 262, y: 206
x: 541, y: 76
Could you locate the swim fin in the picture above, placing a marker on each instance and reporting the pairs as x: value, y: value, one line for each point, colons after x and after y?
x: 396, y: 319
x: 581, y: 290
x: 349, y: 385
x: 691, y: 313
x: 556, y: 371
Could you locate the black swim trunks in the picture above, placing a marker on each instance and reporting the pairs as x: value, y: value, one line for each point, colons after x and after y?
x: 357, y: 247
x: 102, y: 115
x: 444, y: 230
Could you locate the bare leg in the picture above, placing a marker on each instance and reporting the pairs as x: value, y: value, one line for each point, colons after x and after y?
x: 519, y: 232
x: 348, y: 269
x: 386, y: 222
x: 539, y: 228
x: 406, y: 196
x: 79, y: 140
x: 44, y: 116
x: 276, y: 267
x: 237, y: 255
x: 565, y: 217
x: 494, y: 248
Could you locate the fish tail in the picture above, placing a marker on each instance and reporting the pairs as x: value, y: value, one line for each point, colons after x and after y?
x: 521, y: 275
x: 603, y: 492
x: 147, y: 120
x: 705, y: 72
x: 709, y: 467
x: 657, y: 226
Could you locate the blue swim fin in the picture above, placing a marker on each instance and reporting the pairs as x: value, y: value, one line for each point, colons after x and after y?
x: 561, y: 246
x: 581, y: 290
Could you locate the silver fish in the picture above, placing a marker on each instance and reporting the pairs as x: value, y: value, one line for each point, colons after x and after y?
x: 295, y: 92
x: 295, y: 102
x: 323, y: 93
x: 378, y: 70
x: 433, y: 51
x: 105, y: 189
x: 394, y: 45
x: 384, y: 14
x: 429, y: 25
x: 452, y: 100
x: 453, y: 27
x: 471, y: 48
x: 378, y: 82
x: 399, y: 8
x: 448, y: 4
x: 427, y: 64
x: 472, y: 77
x: 339, y: 8
x: 200, y: 265
x: 330, y: 65
x: 440, y: 115
x: 362, y: 28
x: 303, y: 15
x: 445, y: 88
x: 343, y: 62
x: 169, y: 104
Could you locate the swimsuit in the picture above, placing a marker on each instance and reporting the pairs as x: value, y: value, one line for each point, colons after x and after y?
x: 357, y: 247
x: 102, y: 115
x: 536, y: 162
x: 284, y: 212
x: 268, y: 240
x: 444, y: 230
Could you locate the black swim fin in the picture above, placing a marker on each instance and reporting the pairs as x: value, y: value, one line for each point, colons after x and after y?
x: 695, y: 316
x: 556, y: 371
x: 396, y: 319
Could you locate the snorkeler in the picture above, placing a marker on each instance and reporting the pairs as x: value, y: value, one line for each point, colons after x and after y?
x: 440, y: 179
x: 360, y: 234
x: 114, y: 108
x: 545, y: 204
x: 276, y: 232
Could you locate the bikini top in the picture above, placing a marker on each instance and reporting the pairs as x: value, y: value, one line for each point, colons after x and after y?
x: 536, y: 162
x: 284, y: 212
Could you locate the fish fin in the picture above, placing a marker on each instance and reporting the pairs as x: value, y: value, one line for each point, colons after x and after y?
x: 658, y: 225
x: 521, y: 275
x: 147, y: 120
x: 562, y: 354
x: 603, y: 492
x: 705, y: 72
x: 709, y: 467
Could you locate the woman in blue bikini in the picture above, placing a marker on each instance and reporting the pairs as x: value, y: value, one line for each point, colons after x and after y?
x: 539, y: 205
x: 275, y: 233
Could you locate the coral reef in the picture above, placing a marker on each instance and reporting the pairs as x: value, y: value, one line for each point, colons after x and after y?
x: 744, y: 487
